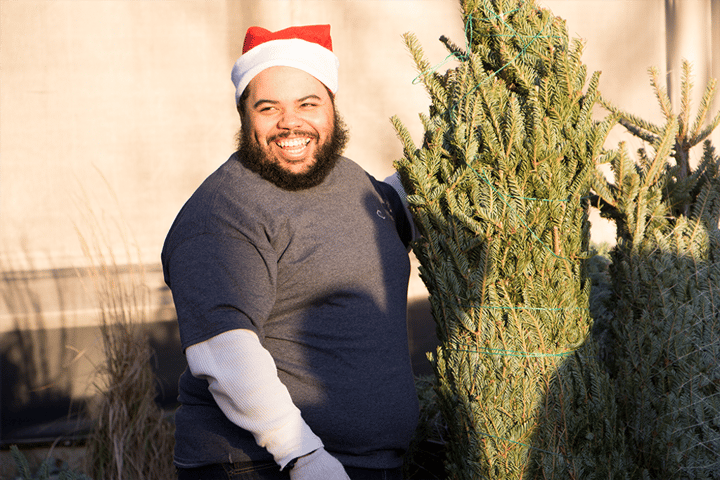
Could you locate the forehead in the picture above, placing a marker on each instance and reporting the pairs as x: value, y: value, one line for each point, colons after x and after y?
x: 282, y: 83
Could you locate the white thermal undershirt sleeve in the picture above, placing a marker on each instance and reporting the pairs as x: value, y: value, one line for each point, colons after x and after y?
x: 243, y: 380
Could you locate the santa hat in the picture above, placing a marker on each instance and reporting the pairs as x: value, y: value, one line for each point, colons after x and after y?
x: 308, y: 48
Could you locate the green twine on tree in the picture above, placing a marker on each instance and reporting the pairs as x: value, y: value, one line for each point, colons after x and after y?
x: 516, y: 353
x: 541, y: 309
x: 468, y: 45
x: 513, y: 353
x: 558, y: 454
x: 502, y: 197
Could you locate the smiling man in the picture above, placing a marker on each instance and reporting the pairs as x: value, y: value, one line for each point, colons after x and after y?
x: 291, y: 132
x: 289, y: 271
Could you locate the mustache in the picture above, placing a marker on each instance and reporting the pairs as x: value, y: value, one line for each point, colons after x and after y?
x: 294, y: 133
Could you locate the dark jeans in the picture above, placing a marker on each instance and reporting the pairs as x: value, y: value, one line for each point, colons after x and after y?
x: 270, y: 471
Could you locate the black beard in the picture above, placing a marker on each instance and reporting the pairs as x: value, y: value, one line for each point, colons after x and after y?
x: 256, y: 159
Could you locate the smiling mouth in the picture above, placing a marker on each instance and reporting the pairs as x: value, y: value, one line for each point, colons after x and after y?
x: 292, y: 143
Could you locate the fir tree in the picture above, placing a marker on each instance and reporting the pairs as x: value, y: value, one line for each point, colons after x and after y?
x: 498, y: 191
x: 665, y: 304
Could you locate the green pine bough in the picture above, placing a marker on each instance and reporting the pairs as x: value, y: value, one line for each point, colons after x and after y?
x: 499, y: 192
x: 665, y: 300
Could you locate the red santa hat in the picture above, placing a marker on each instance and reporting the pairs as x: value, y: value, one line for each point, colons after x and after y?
x: 308, y: 48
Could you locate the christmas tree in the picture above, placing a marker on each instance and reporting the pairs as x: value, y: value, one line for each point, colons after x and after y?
x: 499, y: 192
x: 665, y: 301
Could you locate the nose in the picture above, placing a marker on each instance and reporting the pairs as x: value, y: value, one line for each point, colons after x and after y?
x: 289, y: 119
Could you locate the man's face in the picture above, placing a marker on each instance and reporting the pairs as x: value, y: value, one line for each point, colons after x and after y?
x: 289, y: 115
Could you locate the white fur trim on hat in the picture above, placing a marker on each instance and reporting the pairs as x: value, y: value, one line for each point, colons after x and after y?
x: 310, y: 57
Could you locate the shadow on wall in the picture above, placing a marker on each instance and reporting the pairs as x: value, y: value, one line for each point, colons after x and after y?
x: 421, y: 335
x: 51, y: 349
x: 49, y: 355
x: 35, y: 375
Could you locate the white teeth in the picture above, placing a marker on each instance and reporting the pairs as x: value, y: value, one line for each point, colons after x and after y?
x: 294, y: 142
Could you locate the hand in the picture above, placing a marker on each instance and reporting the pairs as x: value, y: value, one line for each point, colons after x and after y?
x: 318, y: 465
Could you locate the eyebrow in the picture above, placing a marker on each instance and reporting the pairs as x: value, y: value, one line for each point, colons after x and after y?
x: 275, y: 102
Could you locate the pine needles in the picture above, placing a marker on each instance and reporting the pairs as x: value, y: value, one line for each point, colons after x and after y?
x: 498, y: 190
x: 665, y: 273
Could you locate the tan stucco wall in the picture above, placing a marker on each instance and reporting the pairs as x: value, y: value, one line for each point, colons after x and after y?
x: 113, y: 111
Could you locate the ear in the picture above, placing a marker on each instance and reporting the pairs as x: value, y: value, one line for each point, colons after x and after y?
x: 242, y: 100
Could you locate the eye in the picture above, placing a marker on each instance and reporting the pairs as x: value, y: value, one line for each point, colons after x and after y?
x: 265, y: 107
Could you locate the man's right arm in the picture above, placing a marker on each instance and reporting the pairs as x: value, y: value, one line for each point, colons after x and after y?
x: 243, y: 380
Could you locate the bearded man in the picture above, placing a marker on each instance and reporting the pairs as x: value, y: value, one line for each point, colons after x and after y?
x: 289, y: 270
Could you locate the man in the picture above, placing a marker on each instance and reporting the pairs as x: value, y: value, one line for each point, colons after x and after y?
x: 289, y: 271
